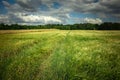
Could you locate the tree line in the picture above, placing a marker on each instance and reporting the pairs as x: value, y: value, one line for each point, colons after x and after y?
x: 84, y: 26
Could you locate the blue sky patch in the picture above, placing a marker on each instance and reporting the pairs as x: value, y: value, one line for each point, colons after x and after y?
x: 56, y: 5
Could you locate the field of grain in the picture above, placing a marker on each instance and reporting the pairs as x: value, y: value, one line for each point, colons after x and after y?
x: 59, y: 55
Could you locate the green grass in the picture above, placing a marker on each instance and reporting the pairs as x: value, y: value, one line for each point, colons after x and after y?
x: 59, y: 55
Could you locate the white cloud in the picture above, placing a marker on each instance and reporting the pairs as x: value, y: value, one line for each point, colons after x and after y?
x: 93, y: 21
x: 38, y: 18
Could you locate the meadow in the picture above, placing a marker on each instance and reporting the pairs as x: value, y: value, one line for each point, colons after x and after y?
x: 59, y: 55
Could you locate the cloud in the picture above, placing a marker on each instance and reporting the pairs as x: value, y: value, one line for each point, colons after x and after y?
x: 6, y: 4
x: 28, y: 5
x: 4, y: 19
x: 93, y: 21
x: 23, y: 11
x: 37, y: 18
x: 13, y: 8
x: 107, y: 8
x: 81, y: 6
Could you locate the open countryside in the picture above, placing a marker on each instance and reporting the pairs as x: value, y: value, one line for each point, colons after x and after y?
x: 51, y: 54
x: 59, y: 39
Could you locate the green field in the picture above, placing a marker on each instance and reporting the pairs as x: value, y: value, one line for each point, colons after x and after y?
x: 59, y: 55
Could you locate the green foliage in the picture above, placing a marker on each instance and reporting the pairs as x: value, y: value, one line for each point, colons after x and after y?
x: 60, y: 55
x: 85, y: 26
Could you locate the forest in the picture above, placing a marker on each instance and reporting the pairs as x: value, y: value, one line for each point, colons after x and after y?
x: 81, y: 26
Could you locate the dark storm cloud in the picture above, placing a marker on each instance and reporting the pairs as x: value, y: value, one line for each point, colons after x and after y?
x: 112, y: 7
x: 29, y: 5
x: 85, y: 6
x: 101, y: 7
x: 47, y: 9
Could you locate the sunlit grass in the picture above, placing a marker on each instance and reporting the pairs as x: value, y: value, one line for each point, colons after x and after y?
x: 60, y: 55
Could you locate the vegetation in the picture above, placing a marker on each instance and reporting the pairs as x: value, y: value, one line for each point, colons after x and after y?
x: 85, y: 26
x: 59, y: 55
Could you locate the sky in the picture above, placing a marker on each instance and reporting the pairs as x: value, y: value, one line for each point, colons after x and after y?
x: 35, y: 12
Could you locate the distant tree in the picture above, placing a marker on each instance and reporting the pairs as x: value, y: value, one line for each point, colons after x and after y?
x: 85, y: 26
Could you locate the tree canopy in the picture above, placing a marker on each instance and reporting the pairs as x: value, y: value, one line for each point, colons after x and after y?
x: 85, y: 26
